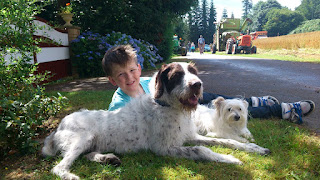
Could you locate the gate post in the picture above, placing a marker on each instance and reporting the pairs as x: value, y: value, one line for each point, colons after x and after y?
x: 73, y: 33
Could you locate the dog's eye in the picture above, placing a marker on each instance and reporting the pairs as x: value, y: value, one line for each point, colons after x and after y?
x: 229, y: 109
x: 240, y: 109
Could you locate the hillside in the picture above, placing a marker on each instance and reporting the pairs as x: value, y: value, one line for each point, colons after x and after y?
x: 307, y: 26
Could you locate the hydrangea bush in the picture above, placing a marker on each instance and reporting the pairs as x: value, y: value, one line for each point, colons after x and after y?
x: 89, y: 48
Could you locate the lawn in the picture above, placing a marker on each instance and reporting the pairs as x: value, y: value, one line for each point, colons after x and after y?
x: 295, y: 155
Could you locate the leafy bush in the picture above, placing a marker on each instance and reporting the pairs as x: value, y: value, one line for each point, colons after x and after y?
x: 307, y: 26
x: 23, y: 104
x: 89, y: 48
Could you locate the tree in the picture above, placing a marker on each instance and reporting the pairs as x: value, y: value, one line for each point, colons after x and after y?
x: 212, y: 19
x: 247, y: 7
x: 181, y: 28
x: 224, y: 13
x: 282, y: 21
x: 194, y: 18
x: 204, y: 26
x: 259, y: 12
x: 310, y: 9
x: 201, y: 21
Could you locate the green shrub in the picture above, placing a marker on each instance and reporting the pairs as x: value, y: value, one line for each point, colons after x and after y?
x: 89, y: 48
x: 307, y: 26
x: 23, y: 105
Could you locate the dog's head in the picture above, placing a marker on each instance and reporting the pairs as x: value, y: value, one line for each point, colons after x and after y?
x: 178, y: 85
x: 232, y: 111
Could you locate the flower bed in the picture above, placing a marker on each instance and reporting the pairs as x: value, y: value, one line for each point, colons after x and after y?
x: 89, y: 48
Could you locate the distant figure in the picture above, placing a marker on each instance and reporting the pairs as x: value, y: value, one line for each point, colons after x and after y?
x: 201, y: 43
x: 189, y: 46
x: 193, y: 47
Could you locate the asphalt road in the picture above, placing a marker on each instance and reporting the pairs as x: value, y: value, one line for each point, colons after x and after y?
x: 246, y: 77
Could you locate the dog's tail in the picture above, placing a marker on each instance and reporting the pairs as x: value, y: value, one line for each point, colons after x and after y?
x: 49, y: 148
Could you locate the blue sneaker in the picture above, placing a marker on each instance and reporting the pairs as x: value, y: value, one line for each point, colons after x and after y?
x: 295, y: 111
x: 264, y: 101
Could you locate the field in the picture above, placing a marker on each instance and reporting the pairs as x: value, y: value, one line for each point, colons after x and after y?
x: 309, y: 40
x: 302, y: 47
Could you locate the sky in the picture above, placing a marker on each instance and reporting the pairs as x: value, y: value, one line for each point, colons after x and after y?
x: 235, y: 6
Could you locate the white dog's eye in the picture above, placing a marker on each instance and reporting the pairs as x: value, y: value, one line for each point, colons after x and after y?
x: 240, y: 109
x: 229, y: 109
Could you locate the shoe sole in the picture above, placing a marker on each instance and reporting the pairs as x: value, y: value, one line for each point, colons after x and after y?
x: 275, y: 100
x: 312, y: 106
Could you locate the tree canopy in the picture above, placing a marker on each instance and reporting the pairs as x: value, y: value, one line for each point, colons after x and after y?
x: 310, y: 9
x: 282, y: 21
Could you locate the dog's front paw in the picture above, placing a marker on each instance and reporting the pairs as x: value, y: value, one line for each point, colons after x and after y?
x: 232, y: 160
x: 212, y: 134
x: 258, y: 149
x: 70, y: 176
x: 249, y: 138
x: 110, y: 159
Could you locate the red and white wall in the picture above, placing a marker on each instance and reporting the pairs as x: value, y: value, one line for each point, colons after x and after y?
x: 54, y: 57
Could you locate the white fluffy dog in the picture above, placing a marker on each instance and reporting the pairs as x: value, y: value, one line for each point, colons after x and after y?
x: 161, y: 122
x: 227, y: 120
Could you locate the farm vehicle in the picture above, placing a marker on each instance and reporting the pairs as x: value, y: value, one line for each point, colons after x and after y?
x: 242, y: 44
x: 228, y: 36
x: 177, y: 48
x: 259, y: 34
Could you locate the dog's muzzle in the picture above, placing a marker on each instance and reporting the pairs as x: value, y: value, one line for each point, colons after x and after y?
x: 195, y: 91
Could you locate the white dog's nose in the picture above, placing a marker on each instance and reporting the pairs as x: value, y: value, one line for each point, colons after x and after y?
x: 236, y: 117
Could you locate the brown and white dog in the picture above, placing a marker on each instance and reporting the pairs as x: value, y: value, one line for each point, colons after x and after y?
x: 160, y: 122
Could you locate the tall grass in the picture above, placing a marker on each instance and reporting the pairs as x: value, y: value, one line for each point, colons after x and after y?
x: 310, y: 40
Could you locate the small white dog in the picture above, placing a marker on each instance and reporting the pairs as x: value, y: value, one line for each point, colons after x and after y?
x: 227, y: 120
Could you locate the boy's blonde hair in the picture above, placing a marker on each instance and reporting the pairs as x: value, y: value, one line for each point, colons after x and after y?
x: 120, y: 55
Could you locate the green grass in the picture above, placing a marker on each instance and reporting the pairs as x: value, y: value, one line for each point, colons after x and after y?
x: 295, y: 155
x: 87, y: 99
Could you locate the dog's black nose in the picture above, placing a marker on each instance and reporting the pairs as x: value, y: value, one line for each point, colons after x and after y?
x: 196, y: 85
x: 236, y: 117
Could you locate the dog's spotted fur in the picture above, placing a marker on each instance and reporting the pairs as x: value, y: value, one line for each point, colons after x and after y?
x: 160, y: 122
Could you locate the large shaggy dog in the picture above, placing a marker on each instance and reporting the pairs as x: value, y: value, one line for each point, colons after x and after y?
x: 228, y: 119
x: 161, y: 123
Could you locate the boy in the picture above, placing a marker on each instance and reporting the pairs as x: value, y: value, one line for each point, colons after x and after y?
x: 123, y: 70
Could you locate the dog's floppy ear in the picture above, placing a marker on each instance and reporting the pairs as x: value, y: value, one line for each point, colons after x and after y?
x: 218, y: 102
x: 246, y: 104
x: 159, y: 87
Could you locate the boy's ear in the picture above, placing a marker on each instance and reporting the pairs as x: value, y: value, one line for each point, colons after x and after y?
x: 112, y: 81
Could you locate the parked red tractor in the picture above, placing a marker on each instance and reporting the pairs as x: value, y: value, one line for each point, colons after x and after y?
x: 243, y: 44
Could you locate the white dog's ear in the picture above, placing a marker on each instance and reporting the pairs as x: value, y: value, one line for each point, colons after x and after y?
x: 218, y: 102
x: 246, y: 104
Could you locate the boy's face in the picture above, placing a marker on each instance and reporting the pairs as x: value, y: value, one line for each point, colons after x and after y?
x: 127, y: 77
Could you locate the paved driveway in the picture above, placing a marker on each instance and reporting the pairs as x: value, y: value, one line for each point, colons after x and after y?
x: 246, y: 77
